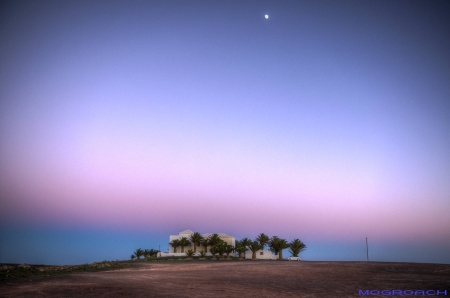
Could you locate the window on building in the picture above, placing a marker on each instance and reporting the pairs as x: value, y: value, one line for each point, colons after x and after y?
x: 261, y: 253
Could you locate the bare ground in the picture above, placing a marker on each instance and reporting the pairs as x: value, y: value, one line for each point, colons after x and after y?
x: 237, y: 279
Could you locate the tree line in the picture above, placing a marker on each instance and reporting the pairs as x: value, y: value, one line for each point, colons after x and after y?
x: 220, y: 247
x: 145, y: 253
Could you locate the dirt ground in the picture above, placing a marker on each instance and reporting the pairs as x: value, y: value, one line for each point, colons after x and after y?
x: 237, y: 279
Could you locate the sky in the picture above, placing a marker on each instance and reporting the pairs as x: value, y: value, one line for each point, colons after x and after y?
x: 124, y: 122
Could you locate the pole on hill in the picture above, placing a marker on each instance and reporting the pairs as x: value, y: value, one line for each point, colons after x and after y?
x: 367, y: 249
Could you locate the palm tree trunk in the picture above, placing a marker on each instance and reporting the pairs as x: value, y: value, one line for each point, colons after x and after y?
x: 254, y: 255
x: 182, y: 249
x: 280, y: 255
x: 195, y: 248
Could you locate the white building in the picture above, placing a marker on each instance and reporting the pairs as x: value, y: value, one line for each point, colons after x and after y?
x: 227, y: 238
x: 260, y: 254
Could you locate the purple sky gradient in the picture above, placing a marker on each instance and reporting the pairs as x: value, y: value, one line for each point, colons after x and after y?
x: 123, y: 122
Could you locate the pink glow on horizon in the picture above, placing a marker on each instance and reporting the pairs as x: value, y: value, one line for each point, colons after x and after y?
x: 119, y: 200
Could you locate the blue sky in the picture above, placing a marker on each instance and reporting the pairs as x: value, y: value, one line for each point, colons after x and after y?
x: 124, y: 122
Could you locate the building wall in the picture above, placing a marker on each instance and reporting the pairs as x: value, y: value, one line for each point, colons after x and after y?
x: 178, y: 254
x: 228, y: 239
x: 261, y: 255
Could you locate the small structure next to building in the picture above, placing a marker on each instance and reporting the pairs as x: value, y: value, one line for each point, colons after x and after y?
x: 263, y: 254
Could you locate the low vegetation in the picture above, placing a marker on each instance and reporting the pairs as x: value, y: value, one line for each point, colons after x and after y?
x: 146, y: 253
x: 8, y: 272
x: 216, y: 247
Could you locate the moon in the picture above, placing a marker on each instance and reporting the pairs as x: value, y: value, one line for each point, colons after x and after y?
x: 266, y: 16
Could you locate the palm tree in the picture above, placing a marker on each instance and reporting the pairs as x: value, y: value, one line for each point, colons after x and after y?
x: 196, y: 238
x: 146, y: 253
x: 272, y: 245
x: 254, y: 247
x: 183, y: 243
x: 263, y: 239
x: 189, y: 253
x: 175, y: 243
x: 202, y: 254
x: 205, y: 244
x: 153, y: 252
x: 213, y: 251
x: 221, y: 247
x: 245, y: 242
x: 229, y: 249
x: 139, y: 252
x: 296, y: 247
x: 240, y: 249
x: 132, y: 257
x: 214, y: 239
x: 277, y: 245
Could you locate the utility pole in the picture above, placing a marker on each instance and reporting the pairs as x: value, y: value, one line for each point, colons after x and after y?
x: 367, y: 249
